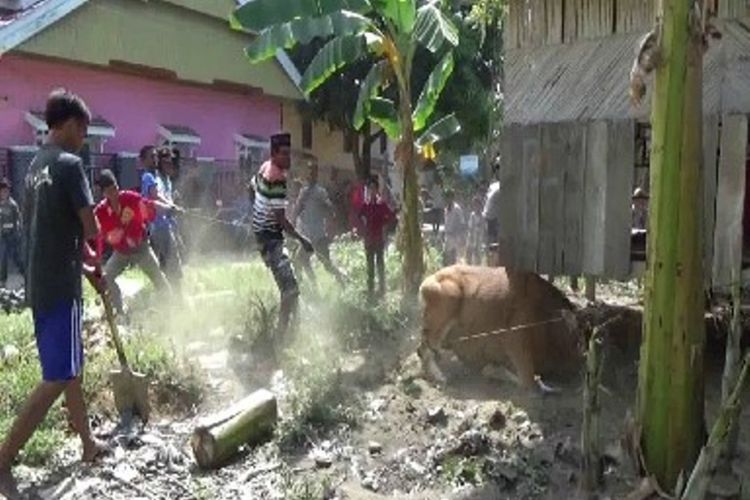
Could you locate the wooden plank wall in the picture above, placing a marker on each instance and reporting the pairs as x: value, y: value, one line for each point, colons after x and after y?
x: 549, y: 22
x: 730, y: 197
x: 575, y: 162
x: 594, y: 198
x: 635, y: 15
x: 551, y: 196
x: 734, y: 9
x: 511, y: 194
x: 710, y: 165
x: 618, y: 197
x: 566, y: 197
x: 532, y: 151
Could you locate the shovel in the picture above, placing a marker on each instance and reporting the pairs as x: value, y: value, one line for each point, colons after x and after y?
x: 130, y: 388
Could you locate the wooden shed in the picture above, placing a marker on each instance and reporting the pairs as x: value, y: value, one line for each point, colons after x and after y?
x: 574, y: 149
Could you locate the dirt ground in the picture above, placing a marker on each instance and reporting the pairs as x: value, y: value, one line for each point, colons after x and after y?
x: 473, y: 439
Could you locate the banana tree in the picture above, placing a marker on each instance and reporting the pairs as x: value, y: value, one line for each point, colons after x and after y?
x: 390, y: 33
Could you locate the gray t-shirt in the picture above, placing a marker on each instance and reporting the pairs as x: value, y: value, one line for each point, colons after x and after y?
x: 313, y: 207
x: 56, y: 189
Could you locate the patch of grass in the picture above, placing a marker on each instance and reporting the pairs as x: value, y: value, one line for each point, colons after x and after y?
x: 459, y: 471
x: 307, y: 488
x: 176, y: 385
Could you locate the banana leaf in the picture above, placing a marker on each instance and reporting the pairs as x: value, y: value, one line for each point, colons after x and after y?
x: 383, y: 113
x: 333, y: 56
x: 433, y: 28
x: 431, y: 92
x: 440, y: 130
x: 257, y: 15
x: 369, y: 89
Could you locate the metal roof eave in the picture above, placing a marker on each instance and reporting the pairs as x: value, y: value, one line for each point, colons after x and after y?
x: 35, y: 20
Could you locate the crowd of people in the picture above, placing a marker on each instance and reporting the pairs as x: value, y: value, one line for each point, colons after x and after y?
x: 65, y: 234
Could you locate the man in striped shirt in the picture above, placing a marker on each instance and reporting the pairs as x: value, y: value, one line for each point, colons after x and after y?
x: 270, y: 222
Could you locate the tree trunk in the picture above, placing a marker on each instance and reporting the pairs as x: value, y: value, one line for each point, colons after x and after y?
x: 249, y: 421
x: 670, y: 389
x: 413, y: 263
x: 366, y: 158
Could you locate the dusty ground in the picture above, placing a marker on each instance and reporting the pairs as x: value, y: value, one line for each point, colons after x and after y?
x: 474, y: 439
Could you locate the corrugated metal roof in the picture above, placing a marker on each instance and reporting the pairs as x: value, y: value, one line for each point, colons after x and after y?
x: 589, y: 80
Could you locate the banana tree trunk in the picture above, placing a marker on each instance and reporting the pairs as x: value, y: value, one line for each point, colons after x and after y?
x: 671, y: 385
x: 413, y: 262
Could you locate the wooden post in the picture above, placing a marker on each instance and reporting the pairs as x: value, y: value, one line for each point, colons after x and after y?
x: 732, y: 367
x: 249, y: 421
x: 697, y: 485
x: 590, y: 288
x: 593, y: 472
x: 670, y: 389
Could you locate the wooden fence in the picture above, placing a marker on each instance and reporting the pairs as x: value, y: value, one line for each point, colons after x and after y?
x: 566, y: 196
x: 531, y: 23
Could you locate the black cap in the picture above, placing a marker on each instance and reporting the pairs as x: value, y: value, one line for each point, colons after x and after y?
x: 281, y: 140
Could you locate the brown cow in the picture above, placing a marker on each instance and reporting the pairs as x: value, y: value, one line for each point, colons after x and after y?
x: 494, y: 316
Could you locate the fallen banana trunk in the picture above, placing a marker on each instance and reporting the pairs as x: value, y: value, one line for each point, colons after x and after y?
x: 249, y: 421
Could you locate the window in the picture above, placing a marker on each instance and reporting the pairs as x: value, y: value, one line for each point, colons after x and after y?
x: 307, y: 134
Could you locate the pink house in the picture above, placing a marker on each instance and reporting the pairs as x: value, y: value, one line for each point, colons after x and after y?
x: 158, y: 72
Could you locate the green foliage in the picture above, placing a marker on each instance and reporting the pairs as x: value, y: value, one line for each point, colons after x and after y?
x: 383, y: 112
x: 459, y: 471
x: 258, y: 15
x: 369, y: 89
x: 402, y: 13
x: 431, y: 92
x: 303, y: 31
x: 333, y: 56
x: 445, y: 127
x: 433, y: 29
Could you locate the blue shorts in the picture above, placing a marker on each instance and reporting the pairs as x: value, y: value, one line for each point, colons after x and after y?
x: 59, y: 340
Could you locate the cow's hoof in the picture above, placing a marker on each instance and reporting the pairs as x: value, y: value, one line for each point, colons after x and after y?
x: 544, y: 389
x: 435, y: 376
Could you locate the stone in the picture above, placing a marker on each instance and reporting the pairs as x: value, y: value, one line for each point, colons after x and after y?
x: 437, y: 416
x: 371, y: 482
x: 9, y: 354
x: 472, y: 443
x: 323, y: 460
x: 125, y: 472
x: 374, y: 448
x: 497, y: 420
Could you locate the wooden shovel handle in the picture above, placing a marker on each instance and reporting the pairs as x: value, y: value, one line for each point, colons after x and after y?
x: 109, y: 313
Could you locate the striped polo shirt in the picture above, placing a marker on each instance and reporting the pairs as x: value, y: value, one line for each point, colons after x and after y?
x: 270, y: 195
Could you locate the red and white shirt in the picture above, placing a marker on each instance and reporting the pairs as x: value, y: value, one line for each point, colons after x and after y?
x: 126, y: 230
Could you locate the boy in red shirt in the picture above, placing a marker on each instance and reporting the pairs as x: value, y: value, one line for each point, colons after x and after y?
x: 124, y: 217
x: 375, y: 215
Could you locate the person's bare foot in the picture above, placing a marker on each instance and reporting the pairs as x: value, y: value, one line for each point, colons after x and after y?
x: 8, y: 485
x: 93, y: 450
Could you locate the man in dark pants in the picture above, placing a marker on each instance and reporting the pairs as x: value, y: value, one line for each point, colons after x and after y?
x: 375, y: 215
x: 10, y: 228
x: 311, y: 212
x: 269, y: 224
x: 59, y: 220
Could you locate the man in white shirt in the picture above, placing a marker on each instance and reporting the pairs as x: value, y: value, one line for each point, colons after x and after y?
x: 491, y: 215
x: 455, y: 230
x: 313, y: 209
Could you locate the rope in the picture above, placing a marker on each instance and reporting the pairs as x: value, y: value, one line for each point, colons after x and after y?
x: 510, y: 329
x: 215, y: 220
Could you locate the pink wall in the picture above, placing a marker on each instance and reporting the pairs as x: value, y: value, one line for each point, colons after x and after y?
x: 135, y: 106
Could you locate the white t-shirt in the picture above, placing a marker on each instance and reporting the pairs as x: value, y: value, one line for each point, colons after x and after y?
x: 492, y: 203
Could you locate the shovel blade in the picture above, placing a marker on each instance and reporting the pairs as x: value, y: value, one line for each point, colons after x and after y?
x: 131, y: 393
